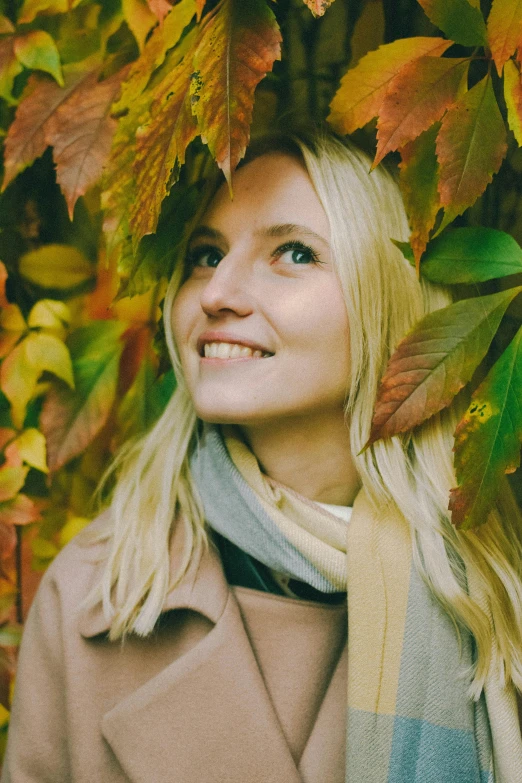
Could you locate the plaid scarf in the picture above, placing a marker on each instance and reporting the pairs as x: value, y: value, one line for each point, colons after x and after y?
x: 409, y: 717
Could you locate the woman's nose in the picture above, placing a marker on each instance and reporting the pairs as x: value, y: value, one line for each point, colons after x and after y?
x: 228, y: 289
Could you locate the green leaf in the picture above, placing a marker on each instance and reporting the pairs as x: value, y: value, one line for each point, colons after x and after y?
x: 144, y: 402
x: 434, y: 361
x: 419, y: 176
x: 471, y: 255
x: 458, y: 19
x: 470, y: 147
x: 38, y: 51
x: 56, y: 267
x: 70, y: 420
x: 488, y: 439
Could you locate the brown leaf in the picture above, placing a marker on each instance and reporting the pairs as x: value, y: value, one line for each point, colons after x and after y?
x: 318, y: 7
x: 239, y: 42
x: 416, y: 98
x: 81, y: 131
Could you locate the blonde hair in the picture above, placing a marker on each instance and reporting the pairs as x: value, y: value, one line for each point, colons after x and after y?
x: 384, y: 300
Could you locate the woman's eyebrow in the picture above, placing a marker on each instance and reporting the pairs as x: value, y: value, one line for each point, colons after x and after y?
x: 283, y: 229
x: 207, y: 233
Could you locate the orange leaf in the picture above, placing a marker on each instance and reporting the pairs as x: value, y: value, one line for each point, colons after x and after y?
x: 504, y: 30
x: 418, y: 181
x: 26, y: 139
x: 470, y: 147
x: 318, y: 7
x: 513, y: 98
x: 240, y: 40
x: 200, y: 4
x: 3, y: 280
x: 416, y: 98
x: 10, y: 67
x: 363, y: 88
x: 161, y: 144
x: 81, y: 131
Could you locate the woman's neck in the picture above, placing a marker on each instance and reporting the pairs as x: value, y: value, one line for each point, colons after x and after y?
x: 312, y: 457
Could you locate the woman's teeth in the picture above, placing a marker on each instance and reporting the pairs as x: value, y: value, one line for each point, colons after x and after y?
x: 231, y: 351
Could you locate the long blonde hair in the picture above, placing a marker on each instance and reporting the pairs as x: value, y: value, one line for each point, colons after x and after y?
x: 384, y: 299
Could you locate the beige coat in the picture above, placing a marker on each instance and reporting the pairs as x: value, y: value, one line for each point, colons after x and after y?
x: 186, y: 705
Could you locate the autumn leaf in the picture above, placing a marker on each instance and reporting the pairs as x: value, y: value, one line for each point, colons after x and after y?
x: 239, y: 42
x: 140, y: 19
x: 56, y: 266
x: 21, y: 510
x: 80, y: 132
x: 318, y: 7
x: 418, y: 182
x: 161, y: 143
x: 460, y: 20
x: 513, y: 98
x: 160, y: 8
x: 10, y: 67
x: 488, y: 439
x: 471, y: 255
x: 3, y: 280
x: 363, y: 88
x: 12, y: 327
x: 144, y: 402
x: 71, y: 419
x: 22, y: 368
x: 51, y: 315
x: 6, y: 26
x: 471, y: 145
x: 416, y: 98
x: 504, y: 30
x: 434, y: 361
x: 28, y: 448
x: 26, y: 138
x: 12, y: 480
x: 31, y: 8
x: 200, y: 5
x: 37, y: 50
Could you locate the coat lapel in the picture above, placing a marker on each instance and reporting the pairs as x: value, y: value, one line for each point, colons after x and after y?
x: 207, y: 716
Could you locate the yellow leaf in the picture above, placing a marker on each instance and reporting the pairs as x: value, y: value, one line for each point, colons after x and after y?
x: 33, y: 7
x: 21, y: 370
x: 12, y: 320
x: 4, y: 716
x: 50, y: 314
x: 140, y: 19
x: 12, y: 480
x: 513, y: 98
x: 56, y: 266
x: 71, y: 528
x: 31, y: 448
x: 43, y: 549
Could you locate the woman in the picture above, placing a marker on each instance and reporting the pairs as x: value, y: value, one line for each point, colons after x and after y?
x: 215, y: 647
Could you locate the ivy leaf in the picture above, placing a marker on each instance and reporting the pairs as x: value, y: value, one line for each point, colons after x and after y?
x: 460, y: 20
x: 56, y: 266
x: 363, y: 88
x: 6, y: 26
x: 471, y: 255
x: 318, y: 7
x: 416, y: 98
x: 239, y: 42
x: 22, y: 368
x: 12, y: 480
x: 470, y: 147
x: 144, y: 402
x: 71, y: 419
x: 160, y: 8
x: 21, y: 510
x: 10, y: 67
x: 434, y: 361
x: 488, y: 439
x: 31, y: 8
x: 161, y: 143
x: 513, y: 98
x: 504, y: 30
x: 29, y: 447
x: 418, y: 181
x: 37, y: 50
x: 80, y: 132
x: 50, y: 315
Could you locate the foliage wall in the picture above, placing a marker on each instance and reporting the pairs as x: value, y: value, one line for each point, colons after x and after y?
x: 115, y: 113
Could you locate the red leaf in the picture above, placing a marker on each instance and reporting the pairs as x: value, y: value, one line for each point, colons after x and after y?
x: 81, y: 131
x: 470, y: 147
x: 238, y: 44
x: 504, y: 30
x: 416, y: 98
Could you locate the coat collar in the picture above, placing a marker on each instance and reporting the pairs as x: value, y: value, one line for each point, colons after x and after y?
x: 203, y: 589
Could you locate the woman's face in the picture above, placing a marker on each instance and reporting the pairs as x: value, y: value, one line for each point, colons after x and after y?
x: 260, y: 322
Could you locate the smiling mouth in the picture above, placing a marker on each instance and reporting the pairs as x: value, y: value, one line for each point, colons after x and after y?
x: 220, y: 350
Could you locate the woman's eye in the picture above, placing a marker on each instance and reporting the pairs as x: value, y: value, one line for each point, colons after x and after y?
x: 204, y: 256
x: 293, y: 253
